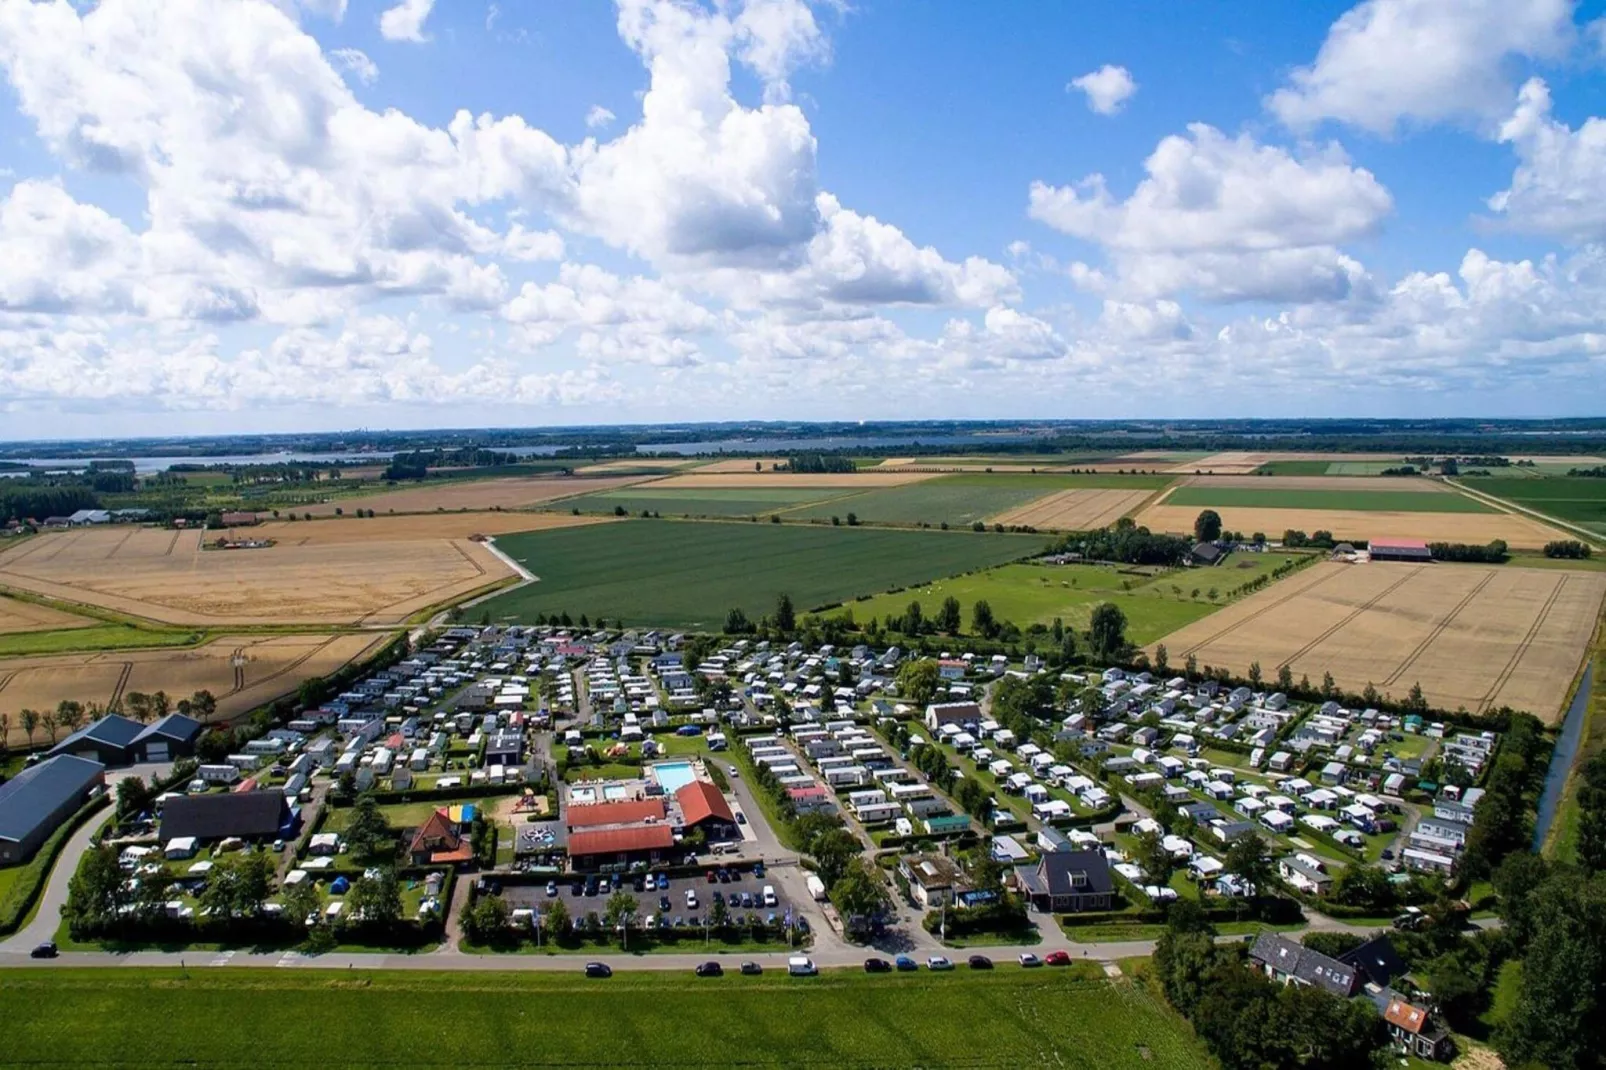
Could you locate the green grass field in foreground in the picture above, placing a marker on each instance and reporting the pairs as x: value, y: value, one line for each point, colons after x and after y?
x: 1029, y: 593
x: 1069, y: 1017
x: 960, y: 500
x: 685, y: 574
x: 1580, y: 499
x: 1372, y: 501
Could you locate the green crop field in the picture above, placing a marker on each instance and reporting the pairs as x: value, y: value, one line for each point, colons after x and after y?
x: 1579, y: 499
x: 686, y: 574
x: 961, y: 500
x: 1293, y: 468
x: 735, y: 501
x: 1155, y: 606
x: 1070, y: 1017
x: 1360, y: 500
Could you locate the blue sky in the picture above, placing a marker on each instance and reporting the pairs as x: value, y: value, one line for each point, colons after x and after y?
x: 304, y: 214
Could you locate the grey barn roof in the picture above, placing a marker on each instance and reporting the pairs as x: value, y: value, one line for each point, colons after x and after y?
x: 113, y: 730
x: 247, y: 814
x: 35, y: 793
x: 175, y: 726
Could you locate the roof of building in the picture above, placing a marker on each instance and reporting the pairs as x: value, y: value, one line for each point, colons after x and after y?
x: 615, y: 840
x: 250, y: 814
x: 440, y: 840
x: 1377, y: 959
x: 112, y: 730
x: 174, y: 726
x: 1410, y: 1018
x: 33, y: 794
x: 1206, y: 551
x: 624, y: 812
x: 1304, y: 964
x: 931, y: 871
x: 1056, y: 869
x: 700, y: 801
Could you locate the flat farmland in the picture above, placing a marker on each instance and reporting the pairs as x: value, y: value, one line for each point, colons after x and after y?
x: 1322, y: 481
x: 273, y: 665
x: 19, y: 616
x: 1578, y: 499
x: 1360, y: 499
x: 714, y: 501
x: 370, y: 571
x: 1473, y: 636
x: 686, y: 574
x: 454, y: 495
x: 1245, y: 462
x: 864, y: 479
x: 1518, y: 531
x: 1074, y: 510
x: 961, y: 500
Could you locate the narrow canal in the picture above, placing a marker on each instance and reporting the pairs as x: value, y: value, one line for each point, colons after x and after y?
x: 1572, y: 731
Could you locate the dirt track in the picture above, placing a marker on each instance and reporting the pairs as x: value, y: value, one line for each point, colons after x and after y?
x: 1472, y: 636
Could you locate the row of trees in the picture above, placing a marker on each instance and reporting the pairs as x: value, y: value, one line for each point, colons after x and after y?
x: 816, y: 463
x: 1491, y: 553
x: 1569, y: 549
x: 1125, y: 542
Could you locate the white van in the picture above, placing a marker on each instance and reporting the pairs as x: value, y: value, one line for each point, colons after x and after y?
x: 769, y: 895
x: 801, y: 966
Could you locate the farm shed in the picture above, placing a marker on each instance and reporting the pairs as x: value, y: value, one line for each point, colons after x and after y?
x: 36, y: 801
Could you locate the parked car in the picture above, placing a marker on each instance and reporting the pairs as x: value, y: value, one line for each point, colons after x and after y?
x: 874, y: 965
x: 1028, y: 960
x: 752, y: 968
x: 980, y: 962
x: 1058, y: 958
x: 598, y: 969
x: 734, y: 899
x: 691, y: 899
x: 551, y: 889
x: 905, y: 963
x: 758, y: 869
x: 663, y: 902
x: 663, y: 882
x: 712, y: 876
x: 747, y: 900
x: 710, y: 969
x: 46, y: 950
x: 939, y: 962
x: 801, y: 966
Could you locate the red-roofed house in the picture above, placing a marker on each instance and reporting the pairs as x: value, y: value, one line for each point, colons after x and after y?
x: 437, y: 843
x: 1414, y: 1032
x: 592, y: 848
x: 814, y: 799
x: 702, y: 806
x: 625, y: 812
x: 1399, y: 550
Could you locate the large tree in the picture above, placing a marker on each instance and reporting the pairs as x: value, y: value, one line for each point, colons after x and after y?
x: 1207, y: 526
x: 1107, y: 630
x: 949, y: 616
x: 859, y: 892
x: 917, y: 680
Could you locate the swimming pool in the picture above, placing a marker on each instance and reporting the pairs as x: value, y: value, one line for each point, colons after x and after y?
x: 674, y: 775
x: 615, y: 792
x: 582, y: 796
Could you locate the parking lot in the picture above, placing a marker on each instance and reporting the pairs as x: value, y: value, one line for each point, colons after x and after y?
x: 742, y: 882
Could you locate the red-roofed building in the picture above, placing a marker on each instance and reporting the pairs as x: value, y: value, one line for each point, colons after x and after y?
x: 1399, y: 550
x: 437, y: 843
x: 625, y: 812
x: 1414, y: 1032
x: 702, y: 806
x: 814, y: 799
x: 592, y: 848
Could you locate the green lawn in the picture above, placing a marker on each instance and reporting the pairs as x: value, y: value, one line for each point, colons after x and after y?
x: 1155, y: 606
x: 1579, y: 499
x: 1071, y: 1017
x: 715, y: 502
x: 97, y: 637
x: 1293, y: 468
x: 1122, y: 932
x: 400, y: 815
x: 1375, y: 501
x: 960, y: 500
x: 685, y: 574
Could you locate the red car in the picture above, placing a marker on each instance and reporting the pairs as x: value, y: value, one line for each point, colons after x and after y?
x: 1058, y: 958
x: 711, y: 877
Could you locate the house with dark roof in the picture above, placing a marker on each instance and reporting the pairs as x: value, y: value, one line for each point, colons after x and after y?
x: 1291, y: 962
x: 109, y: 741
x: 703, y: 806
x: 246, y: 815
x: 35, y: 802
x: 1206, y: 553
x: 1067, y: 882
x: 171, y: 737
x: 1377, y: 960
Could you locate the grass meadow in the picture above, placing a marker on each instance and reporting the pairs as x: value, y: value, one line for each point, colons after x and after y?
x: 1070, y: 1017
x: 1155, y: 605
x: 686, y: 574
x: 1579, y: 499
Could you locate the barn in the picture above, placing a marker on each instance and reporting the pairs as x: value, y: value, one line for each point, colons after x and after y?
x: 1400, y: 550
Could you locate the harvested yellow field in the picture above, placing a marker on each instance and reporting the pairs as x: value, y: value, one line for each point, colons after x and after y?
x: 1347, y: 484
x: 1243, y: 462
x: 1518, y: 531
x: 242, y: 672
x: 18, y: 616
x: 1074, y: 510
x: 666, y: 464
x: 480, y: 494
x: 1473, y: 636
x: 378, y: 571
x: 700, y: 480
x: 738, y: 465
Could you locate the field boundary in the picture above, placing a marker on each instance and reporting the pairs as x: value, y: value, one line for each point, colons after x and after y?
x: 1438, y: 630
x: 1593, y: 538
x: 1527, y: 641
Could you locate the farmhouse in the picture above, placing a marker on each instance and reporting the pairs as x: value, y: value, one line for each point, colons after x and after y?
x: 36, y: 801
x: 1291, y: 962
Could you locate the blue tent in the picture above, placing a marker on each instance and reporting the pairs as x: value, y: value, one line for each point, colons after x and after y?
x: 339, y: 886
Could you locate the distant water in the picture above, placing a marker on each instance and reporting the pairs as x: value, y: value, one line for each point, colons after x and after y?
x: 1561, y: 760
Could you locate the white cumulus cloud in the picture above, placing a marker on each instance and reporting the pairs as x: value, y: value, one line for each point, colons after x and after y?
x: 405, y: 21
x: 1106, y: 89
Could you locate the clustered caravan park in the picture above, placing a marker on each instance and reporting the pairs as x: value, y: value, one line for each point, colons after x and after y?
x: 823, y: 739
